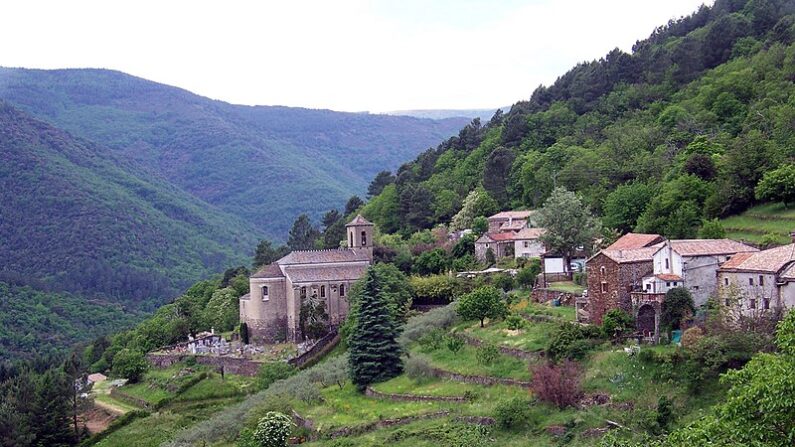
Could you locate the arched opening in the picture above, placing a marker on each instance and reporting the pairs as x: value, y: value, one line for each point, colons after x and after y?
x: 322, y: 291
x: 364, y: 238
x: 265, y: 296
x: 342, y: 289
x: 303, y: 293
x: 646, y: 320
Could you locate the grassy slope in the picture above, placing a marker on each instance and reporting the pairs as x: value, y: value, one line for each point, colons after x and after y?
x: 754, y: 224
x: 264, y: 164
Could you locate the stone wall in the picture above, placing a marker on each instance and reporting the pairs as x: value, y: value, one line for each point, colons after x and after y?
x: 412, y: 397
x: 321, y: 348
x: 478, y: 380
x: 231, y: 365
x: 541, y: 295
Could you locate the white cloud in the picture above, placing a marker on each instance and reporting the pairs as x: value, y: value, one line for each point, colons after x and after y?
x: 348, y: 55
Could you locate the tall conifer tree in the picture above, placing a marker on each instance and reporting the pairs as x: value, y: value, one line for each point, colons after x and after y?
x: 374, y: 351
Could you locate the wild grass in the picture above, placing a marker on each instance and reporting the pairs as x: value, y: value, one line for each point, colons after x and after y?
x: 532, y: 337
x: 755, y: 223
x: 465, y: 361
x: 566, y: 286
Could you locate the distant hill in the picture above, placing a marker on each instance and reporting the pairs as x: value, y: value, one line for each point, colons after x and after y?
x: 263, y: 164
x: 75, y: 216
x: 438, y: 114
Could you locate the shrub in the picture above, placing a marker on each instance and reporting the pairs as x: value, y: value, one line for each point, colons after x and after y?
x: 515, y: 322
x: 581, y: 279
x: 432, y: 340
x: 691, y: 337
x: 244, y: 333
x: 454, y: 344
x: 418, y: 368
x: 678, y: 304
x: 420, y: 325
x: 129, y: 364
x: 301, y: 388
x: 665, y: 413
x: 571, y: 341
x: 526, y: 277
x: 513, y: 413
x: 436, y: 289
x: 272, y: 371
x: 487, y: 354
x: 334, y: 371
x: 503, y: 281
x: 558, y: 385
x: 617, y: 323
x: 273, y: 430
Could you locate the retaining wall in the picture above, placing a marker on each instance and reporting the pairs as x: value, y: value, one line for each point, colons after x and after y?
x: 412, y: 397
x: 541, y: 295
x: 231, y: 365
x: 479, y: 380
x: 507, y: 350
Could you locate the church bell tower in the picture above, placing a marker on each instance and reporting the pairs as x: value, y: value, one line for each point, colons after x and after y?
x: 360, y: 234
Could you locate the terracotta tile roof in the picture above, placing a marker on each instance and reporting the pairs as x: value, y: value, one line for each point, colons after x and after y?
x: 496, y: 237
x: 324, y: 256
x: 668, y: 277
x: 359, y: 220
x: 300, y: 274
x: 516, y: 224
x: 789, y: 274
x: 635, y: 240
x: 736, y: 260
x: 705, y: 247
x: 269, y: 271
x: 622, y: 256
x: 769, y: 261
x: 513, y: 215
x: 529, y: 233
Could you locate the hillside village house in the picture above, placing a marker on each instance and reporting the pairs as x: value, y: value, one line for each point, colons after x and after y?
x: 271, y: 309
x: 509, y: 235
x: 760, y: 281
x: 618, y: 270
x: 693, y: 264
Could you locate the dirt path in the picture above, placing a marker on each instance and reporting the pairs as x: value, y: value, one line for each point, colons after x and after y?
x: 97, y: 419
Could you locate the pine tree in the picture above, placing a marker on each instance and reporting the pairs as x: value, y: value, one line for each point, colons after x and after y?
x: 374, y: 351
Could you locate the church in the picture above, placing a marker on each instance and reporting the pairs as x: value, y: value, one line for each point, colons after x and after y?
x: 276, y: 291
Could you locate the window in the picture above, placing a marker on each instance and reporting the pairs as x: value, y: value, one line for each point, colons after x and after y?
x: 322, y: 291
x: 695, y: 287
x: 648, y: 286
x: 364, y: 238
x: 752, y: 303
x: 342, y: 289
x: 666, y: 264
x: 303, y: 293
x: 668, y: 284
x: 726, y: 302
x: 761, y: 280
x: 604, y: 287
x: 675, y: 283
x: 750, y: 281
x: 602, y: 270
x: 526, y: 244
x: 765, y: 303
x: 726, y: 281
x: 265, y: 296
x: 350, y: 238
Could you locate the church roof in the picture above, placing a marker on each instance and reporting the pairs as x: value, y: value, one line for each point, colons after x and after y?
x: 269, y: 271
x: 325, y: 256
x: 320, y: 273
x: 359, y: 221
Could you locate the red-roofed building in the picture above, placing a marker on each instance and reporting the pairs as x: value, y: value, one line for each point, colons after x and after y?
x: 755, y: 283
x: 277, y: 291
x: 693, y: 264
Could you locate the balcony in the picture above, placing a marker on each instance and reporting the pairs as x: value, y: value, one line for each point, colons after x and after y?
x: 641, y: 298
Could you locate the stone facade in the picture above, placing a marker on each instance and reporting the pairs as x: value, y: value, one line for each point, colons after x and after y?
x: 271, y: 309
x: 758, y: 282
x: 611, y: 281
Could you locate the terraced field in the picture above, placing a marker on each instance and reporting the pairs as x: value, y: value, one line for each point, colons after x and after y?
x: 770, y: 223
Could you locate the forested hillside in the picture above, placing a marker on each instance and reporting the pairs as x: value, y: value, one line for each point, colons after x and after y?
x: 266, y: 165
x: 75, y: 217
x: 34, y: 323
x: 681, y: 130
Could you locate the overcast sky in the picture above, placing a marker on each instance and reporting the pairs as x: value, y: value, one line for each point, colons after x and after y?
x: 343, y: 55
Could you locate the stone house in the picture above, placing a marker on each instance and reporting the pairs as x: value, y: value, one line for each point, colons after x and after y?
x: 760, y: 281
x: 501, y: 244
x: 271, y: 309
x: 526, y: 243
x: 693, y: 264
x: 509, y: 221
x: 618, y: 270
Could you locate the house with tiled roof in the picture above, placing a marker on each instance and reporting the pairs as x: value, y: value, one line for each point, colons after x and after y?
x: 760, y: 281
x: 271, y: 309
x: 509, y: 234
x: 693, y: 264
x: 615, y: 272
